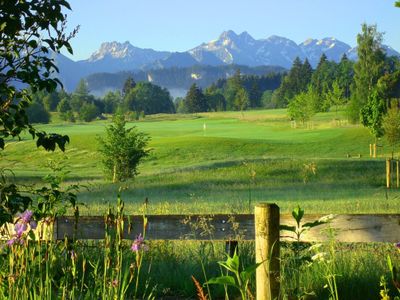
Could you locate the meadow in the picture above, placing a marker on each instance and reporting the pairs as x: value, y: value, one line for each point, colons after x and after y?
x: 223, y: 163
x: 210, y: 163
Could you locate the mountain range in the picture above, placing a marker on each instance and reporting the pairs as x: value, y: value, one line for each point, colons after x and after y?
x: 229, y: 48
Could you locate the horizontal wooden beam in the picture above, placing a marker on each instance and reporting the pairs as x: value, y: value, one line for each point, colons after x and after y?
x: 345, y: 228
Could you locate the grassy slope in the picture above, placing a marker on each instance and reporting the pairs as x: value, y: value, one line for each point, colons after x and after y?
x: 208, y: 171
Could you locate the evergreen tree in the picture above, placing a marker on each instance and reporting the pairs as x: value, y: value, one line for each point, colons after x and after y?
x: 295, y: 82
x: 233, y: 85
x: 128, y: 85
x: 122, y: 150
x: 254, y: 94
x: 345, y: 75
x: 307, y: 72
x: 195, y: 101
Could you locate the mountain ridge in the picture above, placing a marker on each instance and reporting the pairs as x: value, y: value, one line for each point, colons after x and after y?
x: 228, y: 48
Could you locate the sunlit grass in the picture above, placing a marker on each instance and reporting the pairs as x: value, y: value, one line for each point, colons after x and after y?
x: 197, y: 170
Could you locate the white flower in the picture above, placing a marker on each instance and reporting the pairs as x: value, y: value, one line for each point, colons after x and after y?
x: 315, y: 247
x: 319, y: 256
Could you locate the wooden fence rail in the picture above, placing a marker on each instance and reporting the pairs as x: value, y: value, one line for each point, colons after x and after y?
x: 348, y: 228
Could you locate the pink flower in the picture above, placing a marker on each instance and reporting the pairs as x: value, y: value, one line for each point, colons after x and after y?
x: 139, y: 244
x: 11, y: 242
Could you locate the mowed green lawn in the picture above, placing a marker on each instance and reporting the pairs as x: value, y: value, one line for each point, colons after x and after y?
x: 224, y: 163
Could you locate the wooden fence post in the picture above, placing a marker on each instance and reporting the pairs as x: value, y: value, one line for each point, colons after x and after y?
x: 267, y: 251
x: 388, y: 163
x: 370, y: 150
x: 375, y: 150
x: 397, y: 174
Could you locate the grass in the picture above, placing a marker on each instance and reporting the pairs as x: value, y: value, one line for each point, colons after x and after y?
x: 192, y: 170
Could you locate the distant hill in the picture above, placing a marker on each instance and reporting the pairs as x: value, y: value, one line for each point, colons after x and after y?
x: 229, y: 48
x: 176, y: 80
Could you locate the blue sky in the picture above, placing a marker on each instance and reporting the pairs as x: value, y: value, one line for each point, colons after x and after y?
x: 178, y: 25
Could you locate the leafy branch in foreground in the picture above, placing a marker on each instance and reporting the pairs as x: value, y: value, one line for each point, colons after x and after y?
x: 31, y: 32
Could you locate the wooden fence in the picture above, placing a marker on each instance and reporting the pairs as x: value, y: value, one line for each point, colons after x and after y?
x: 263, y: 227
x: 349, y: 228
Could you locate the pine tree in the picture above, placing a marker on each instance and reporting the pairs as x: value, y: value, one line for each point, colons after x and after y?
x: 306, y: 72
x: 122, y: 150
x: 345, y: 75
x: 195, y: 101
x: 128, y: 85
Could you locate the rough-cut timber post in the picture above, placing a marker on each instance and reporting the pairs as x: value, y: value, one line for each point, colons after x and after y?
x: 370, y: 150
x: 397, y: 174
x: 267, y: 251
x: 388, y: 162
x: 375, y: 154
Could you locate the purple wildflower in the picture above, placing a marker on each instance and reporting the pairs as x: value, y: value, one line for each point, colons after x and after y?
x: 33, y: 224
x: 20, y: 228
x: 138, y: 244
x: 398, y: 245
x: 11, y: 242
x: 26, y: 216
x: 114, y: 283
x: 73, y: 255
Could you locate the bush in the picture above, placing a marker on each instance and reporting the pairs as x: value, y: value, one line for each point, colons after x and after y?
x: 122, y: 150
x: 37, y: 113
x: 88, y: 112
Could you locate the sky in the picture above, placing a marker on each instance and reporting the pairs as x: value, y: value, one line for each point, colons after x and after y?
x: 179, y: 25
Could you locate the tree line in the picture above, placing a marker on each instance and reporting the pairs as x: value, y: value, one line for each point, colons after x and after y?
x: 367, y: 88
x: 135, y: 99
x: 238, y: 92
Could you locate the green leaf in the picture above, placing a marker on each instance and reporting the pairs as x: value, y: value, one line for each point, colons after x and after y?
x: 390, y: 265
x: 313, y: 224
x: 223, y: 280
x: 245, y: 275
x: 231, y: 263
x: 298, y: 214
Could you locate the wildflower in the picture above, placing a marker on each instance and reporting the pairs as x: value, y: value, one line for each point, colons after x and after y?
x: 138, y: 244
x: 114, y: 283
x: 11, y: 242
x: 315, y: 247
x: 319, y: 256
x: 19, y: 229
x: 26, y: 216
x: 33, y: 224
x: 73, y: 255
